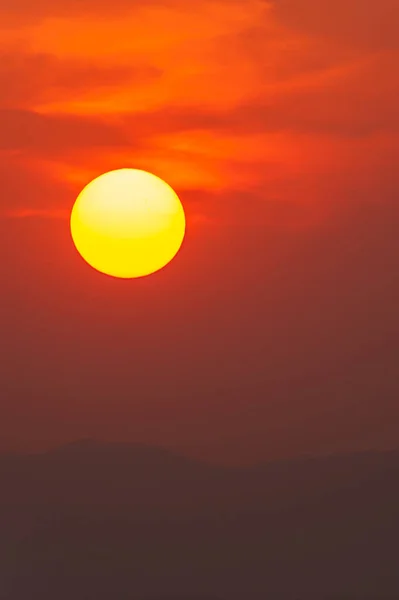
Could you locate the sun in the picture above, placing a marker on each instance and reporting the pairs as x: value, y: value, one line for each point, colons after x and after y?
x: 127, y: 223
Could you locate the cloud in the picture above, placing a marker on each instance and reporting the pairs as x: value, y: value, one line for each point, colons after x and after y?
x: 27, y: 79
x: 43, y: 213
x: 355, y: 100
x: 24, y: 131
x: 28, y: 191
x: 18, y: 11
x: 23, y: 11
x: 369, y: 24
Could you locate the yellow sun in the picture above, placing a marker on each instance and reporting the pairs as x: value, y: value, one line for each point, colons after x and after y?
x: 127, y: 223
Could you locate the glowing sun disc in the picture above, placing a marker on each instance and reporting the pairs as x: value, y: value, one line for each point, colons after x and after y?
x: 127, y: 223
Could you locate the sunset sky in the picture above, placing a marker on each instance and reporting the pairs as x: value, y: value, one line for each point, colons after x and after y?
x: 275, y: 331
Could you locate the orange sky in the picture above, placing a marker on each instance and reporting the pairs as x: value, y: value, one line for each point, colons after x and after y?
x: 276, y: 122
x: 216, y: 95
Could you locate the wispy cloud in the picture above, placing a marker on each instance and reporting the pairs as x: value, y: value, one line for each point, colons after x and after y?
x: 28, y: 213
x: 28, y: 79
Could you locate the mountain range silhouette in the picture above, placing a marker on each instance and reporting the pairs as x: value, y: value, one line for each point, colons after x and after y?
x: 94, y: 521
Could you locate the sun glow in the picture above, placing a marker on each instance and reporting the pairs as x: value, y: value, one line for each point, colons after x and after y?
x: 127, y: 223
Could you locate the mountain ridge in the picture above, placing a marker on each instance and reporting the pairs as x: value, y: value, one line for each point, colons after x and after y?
x: 99, y: 521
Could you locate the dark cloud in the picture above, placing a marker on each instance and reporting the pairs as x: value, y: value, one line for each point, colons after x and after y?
x: 369, y: 24
x: 358, y: 101
x: 25, y: 11
x: 31, y: 78
x: 26, y: 190
x: 24, y: 131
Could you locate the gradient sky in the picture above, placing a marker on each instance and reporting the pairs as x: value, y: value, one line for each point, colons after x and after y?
x: 275, y: 331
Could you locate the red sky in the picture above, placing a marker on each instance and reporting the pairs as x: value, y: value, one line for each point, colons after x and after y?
x: 275, y: 331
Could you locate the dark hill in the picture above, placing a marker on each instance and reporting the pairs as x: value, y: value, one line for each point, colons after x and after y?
x: 104, y: 521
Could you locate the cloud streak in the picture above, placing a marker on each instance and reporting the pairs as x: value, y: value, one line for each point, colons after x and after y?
x: 27, y: 213
x: 28, y: 79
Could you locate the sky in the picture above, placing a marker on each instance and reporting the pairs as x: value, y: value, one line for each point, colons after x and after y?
x: 274, y: 332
